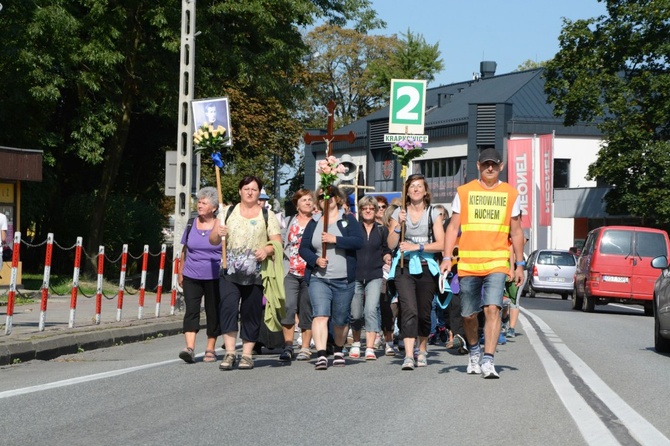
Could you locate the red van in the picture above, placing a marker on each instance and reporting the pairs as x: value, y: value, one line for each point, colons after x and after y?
x: 615, y: 266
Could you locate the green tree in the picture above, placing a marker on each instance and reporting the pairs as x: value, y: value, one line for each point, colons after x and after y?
x: 94, y: 84
x: 355, y: 70
x: 412, y: 58
x: 613, y: 70
x: 531, y: 65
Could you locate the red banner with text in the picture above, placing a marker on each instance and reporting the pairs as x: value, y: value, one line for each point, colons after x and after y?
x: 546, y: 167
x: 520, y: 169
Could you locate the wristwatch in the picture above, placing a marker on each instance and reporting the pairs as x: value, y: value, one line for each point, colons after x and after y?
x: 420, y: 247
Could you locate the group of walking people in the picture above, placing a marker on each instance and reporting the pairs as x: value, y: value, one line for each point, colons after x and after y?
x: 338, y: 272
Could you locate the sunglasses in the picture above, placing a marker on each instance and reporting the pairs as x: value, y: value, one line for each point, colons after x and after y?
x: 382, y: 206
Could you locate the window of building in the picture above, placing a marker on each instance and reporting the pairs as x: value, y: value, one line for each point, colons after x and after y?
x: 561, y: 173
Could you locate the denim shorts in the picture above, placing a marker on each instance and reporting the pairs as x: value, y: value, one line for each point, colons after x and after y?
x: 479, y: 291
x: 332, y: 298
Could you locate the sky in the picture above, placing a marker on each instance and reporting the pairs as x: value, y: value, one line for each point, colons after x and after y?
x: 508, y: 32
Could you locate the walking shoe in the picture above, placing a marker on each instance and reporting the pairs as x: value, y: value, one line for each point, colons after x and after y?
x: 286, y: 355
x: 246, y: 363
x: 502, y: 340
x: 504, y: 327
x: 408, y: 363
x: 473, y: 365
x: 432, y: 339
x: 378, y: 342
x: 511, y: 333
x: 390, y: 351
x: 460, y: 344
x: 421, y: 359
x: 304, y: 355
x: 338, y: 359
x: 355, y: 351
x: 370, y: 354
x: 299, y: 340
x: 187, y: 355
x: 489, y: 370
x: 228, y: 362
x: 321, y: 363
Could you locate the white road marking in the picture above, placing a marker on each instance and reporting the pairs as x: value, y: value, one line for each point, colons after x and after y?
x: 593, y: 429
x: 82, y: 379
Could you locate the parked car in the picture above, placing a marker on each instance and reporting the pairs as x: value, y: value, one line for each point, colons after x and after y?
x: 550, y: 271
x: 615, y: 266
x: 662, y: 305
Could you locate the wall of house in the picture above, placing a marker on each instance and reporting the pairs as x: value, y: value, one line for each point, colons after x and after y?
x: 582, y: 152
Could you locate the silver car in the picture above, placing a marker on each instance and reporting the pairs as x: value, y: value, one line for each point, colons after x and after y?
x: 662, y: 305
x: 551, y: 271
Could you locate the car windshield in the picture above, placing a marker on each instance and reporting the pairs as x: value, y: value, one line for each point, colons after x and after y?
x: 556, y: 258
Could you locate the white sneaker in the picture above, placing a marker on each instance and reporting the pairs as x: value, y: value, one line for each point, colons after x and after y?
x: 299, y: 340
x: 378, y: 342
x: 473, y: 366
x: 355, y: 351
x: 489, y: 370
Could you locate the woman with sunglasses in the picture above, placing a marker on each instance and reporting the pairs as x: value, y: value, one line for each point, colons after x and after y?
x: 382, y: 204
x: 415, y: 276
x: 371, y: 259
x: 331, y: 277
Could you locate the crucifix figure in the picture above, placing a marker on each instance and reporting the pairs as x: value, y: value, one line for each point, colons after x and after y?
x: 328, y: 138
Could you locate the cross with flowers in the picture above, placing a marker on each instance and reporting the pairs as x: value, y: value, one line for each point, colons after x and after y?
x: 330, y: 167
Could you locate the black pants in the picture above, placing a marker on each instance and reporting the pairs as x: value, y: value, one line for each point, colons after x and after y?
x: 245, y: 302
x: 454, y: 316
x: 194, y: 290
x: 415, y: 299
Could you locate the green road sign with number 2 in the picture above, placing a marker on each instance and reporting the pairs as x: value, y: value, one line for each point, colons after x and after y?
x: 408, y: 105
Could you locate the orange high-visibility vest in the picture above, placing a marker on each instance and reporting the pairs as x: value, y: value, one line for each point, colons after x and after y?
x: 485, y: 221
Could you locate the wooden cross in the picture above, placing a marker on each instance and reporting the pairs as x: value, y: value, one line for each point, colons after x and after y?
x: 328, y: 138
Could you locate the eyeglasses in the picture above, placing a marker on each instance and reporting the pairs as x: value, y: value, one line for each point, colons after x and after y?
x: 368, y: 209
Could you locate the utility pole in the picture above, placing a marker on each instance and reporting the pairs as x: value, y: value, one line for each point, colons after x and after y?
x: 186, y: 173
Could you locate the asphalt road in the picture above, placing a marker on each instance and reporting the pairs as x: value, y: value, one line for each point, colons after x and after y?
x: 568, y: 378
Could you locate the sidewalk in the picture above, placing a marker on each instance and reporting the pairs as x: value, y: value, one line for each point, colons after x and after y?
x: 26, y: 342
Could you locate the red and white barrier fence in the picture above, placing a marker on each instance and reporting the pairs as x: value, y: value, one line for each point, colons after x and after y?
x: 75, y: 291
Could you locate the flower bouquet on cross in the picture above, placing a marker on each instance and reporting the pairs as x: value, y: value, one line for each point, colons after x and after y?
x: 210, y: 140
x: 328, y: 169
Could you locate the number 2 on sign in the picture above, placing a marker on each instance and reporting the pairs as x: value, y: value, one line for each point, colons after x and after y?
x: 414, y: 97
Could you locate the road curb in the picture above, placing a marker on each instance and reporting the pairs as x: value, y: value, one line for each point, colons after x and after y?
x: 51, y: 347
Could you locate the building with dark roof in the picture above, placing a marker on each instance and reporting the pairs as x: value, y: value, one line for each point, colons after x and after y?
x: 463, y: 118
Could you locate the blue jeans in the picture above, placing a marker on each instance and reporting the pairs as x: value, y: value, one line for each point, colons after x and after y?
x: 366, y: 303
x: 332, y: 298
x: 479, y: 291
